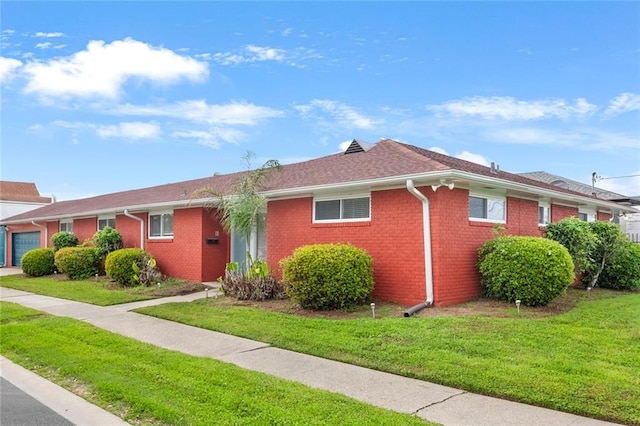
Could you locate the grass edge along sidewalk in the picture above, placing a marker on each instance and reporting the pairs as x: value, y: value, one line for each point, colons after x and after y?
x: 145, y: 384
x: 580, y: 362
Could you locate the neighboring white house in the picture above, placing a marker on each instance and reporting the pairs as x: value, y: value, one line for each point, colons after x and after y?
x: 16, y: 198
x: 629, y: 223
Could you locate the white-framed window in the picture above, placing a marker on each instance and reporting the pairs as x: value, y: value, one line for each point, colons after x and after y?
x: 343, y: 209
x: 161, y: 224
x: 587, y: 215
x: 66, y: 226
x: 544, y: 214
x: 104, y: 221
x: 487, y: 208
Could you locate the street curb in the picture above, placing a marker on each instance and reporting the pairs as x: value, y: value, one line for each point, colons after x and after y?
x: 65, y: 403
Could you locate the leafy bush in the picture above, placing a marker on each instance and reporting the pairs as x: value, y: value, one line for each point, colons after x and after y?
x: 328, y: 276
x: 530, y: 269
x: 107, y: 240
x: 38, y: 262
x: 79, y: 263
x: 63, y: 239
x: 578, y: 237
x: 609, y: 241
x: 119, y: 264
x: 146, y: 272
x: 256, y: 284
x: 623, y: 272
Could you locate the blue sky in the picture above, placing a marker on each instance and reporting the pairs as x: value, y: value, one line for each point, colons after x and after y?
x: 100, y: 97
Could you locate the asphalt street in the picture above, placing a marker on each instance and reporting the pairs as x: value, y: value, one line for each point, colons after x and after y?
x: 17, y: 408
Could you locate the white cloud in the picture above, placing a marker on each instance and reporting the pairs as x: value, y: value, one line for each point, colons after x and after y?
x: 44, y: 45
x: 49, y: 35
x: 508, y: 108
x: 287, y: 31
x: 623, y: 103
x: 199, y: 111
x: 70, y: 124
x: 587, y: 139
x: 7, y: 68
x: 102, y: 69
x: 130, y: 130
x: 344, y: 115
x: 212, y: 137
x: 474, y: 158
x: 250, y: 53
x: 464, y: 155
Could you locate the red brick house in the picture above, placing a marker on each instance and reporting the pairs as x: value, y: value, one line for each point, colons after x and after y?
x: 421, y: 215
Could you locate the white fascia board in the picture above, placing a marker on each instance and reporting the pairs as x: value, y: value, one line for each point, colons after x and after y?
x: 392, y: 181
x: 581, y: 200
x: 116, y: 210
x: 423, y: 179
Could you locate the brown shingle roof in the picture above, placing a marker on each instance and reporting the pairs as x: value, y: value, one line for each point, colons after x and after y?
x: 21, y: 191
x: 385, y: 159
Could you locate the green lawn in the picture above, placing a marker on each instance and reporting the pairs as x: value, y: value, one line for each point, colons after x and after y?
x: 144, y: 384
x: 585, y: 361
x: 96, y: 292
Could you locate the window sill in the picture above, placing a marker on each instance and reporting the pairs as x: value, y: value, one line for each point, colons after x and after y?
x: 340, y: 224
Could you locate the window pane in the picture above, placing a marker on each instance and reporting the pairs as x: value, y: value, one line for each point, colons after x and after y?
x: 582, y: 216
x: 495, y: 209
x: 326, y: 210
x: 543, y: 214
x: 154, y: 226
x: 355, y: 208
x: 478, y: 207
x: 167, y: 224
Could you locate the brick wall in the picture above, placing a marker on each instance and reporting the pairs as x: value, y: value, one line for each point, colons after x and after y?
x: 85, y: 228
x: 187, y: 255
x: 394, y: 239
x: 559, y: 212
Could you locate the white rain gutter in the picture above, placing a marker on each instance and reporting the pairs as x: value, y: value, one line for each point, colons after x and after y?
x: 127, y: 214
x: 5, y: 229
x: 428, y: 269
x: 46, y: 232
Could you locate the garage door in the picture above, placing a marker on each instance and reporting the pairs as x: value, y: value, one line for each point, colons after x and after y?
x: 22, y: 242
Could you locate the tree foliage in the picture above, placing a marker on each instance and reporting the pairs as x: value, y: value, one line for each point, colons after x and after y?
x: 241, y: 210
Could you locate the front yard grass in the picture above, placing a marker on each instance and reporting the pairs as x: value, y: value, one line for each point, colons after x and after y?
x: 584, y: 361
x: 144, y: 384
x: 99, y: 291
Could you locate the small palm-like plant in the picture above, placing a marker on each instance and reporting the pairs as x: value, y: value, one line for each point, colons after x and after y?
x: 243, y: 208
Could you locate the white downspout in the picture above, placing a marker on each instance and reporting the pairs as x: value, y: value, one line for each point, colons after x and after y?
x: 428, y: 269
x: 127, y: 214
x: 46, y: 232
x: 3, y: 262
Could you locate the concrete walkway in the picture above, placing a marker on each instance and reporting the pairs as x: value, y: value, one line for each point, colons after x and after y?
x: 436, y: 403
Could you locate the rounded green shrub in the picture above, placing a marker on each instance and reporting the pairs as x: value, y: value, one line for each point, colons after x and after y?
x: 79, y: 263
x: 328, y: 276
x: 530, y: 269
x: 38, y: 262
x: 578, y: 237
x: 623, y: 272
x: 63, y: 239
x: 107, y: 240
x: 119, y: 264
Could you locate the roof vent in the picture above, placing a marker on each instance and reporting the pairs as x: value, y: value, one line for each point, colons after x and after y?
x: 358, y: 146
x: 561, y: 183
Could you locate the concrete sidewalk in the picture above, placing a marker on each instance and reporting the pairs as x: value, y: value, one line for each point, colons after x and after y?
x: 432, y: 402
